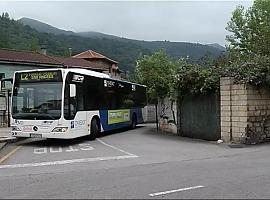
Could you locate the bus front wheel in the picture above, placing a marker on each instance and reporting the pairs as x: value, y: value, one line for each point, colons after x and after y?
x: 94, y: 132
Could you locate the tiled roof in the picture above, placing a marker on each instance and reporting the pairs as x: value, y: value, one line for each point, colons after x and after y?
x: 29, y: 57
x: 75, y: 62
x: 25, y: 57
x: 90, y: 54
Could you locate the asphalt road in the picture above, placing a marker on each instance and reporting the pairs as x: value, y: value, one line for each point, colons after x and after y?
x: 135, y: 164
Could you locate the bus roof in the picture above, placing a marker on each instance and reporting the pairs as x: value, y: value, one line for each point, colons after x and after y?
x: 83, y: 72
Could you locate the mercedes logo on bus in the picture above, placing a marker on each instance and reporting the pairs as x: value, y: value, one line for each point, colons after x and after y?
x: 35, y: 128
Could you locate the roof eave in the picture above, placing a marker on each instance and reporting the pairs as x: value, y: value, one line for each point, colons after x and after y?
x: 30, y: 63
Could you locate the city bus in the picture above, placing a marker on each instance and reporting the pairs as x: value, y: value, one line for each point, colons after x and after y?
x: 73, y: 102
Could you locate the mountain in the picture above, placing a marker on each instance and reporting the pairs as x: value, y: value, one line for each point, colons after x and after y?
x: 93, y: 34
x: 43, y: 27
x: 170, y: 47
x: 28, y: 34
x: 218, y: 46
x: 175, y: 49
x: 15, y: 35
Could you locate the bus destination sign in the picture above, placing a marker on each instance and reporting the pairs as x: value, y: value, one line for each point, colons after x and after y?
x: 40, y: 76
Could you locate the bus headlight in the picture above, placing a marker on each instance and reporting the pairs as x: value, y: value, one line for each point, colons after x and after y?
x: 15, y: 128
x: 60, y: 129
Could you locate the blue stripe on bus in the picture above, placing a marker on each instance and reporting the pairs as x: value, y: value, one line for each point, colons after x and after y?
x: 104, y: 119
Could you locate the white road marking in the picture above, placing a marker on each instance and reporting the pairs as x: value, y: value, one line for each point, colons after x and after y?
x: 44, y: 150
x: 56, y: 150
x: 62, y: 162
x: 40, y: 150
x: 86, y: 147
x: 71, y: 149
x: 108, y: 145
x: 177, y: 190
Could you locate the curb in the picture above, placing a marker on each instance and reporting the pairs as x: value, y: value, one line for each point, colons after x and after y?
x: 2, y: 145
x: 4, y: 141
x: 236, y: 145
x: 8, y: 139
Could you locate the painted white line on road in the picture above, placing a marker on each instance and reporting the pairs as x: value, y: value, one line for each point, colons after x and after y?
x: 108, y: 145
x: 82, y: 147
x: 62, y: 162
x: 177, y: 190
x: 56, y: 150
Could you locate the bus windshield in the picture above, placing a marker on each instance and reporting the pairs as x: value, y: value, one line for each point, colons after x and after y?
x: 37, y: 100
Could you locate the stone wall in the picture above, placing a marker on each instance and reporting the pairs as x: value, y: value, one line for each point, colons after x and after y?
x: 245, y: 112
x: 165, y: 113
x: 149, y: 113
x: 258, y: 111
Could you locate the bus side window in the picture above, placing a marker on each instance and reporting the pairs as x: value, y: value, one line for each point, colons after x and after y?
x: 111, y: 100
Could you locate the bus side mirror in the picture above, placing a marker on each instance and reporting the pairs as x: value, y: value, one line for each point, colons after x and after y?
x: 72, y: 90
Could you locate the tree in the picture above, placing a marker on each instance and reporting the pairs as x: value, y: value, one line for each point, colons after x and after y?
x: 4, y: 40
x: 34, y: 45
x: 5, y: 15
x: 250, y: 29
x: 157, y: 72
x: 249, y: 48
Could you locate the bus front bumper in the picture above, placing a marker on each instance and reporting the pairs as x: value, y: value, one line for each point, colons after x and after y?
x: 56, y: 135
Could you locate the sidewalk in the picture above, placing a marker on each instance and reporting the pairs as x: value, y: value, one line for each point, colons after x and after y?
x: 5, y: 137
x: 5, y: 132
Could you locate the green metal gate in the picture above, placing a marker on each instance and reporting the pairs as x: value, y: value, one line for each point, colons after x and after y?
x: 199, y: 116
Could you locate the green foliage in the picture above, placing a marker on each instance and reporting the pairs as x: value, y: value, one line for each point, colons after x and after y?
x: 5, y: 15
x: 249, y: 49
x: 251, y: 29
x: 195, y: 79
x: 34, y: 45
x: 165, y: 77
x: 178, y: 50
x: 156, y: 72
x: 255, y: 70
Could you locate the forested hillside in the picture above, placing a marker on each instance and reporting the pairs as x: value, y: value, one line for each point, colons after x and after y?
x: 17, y: 35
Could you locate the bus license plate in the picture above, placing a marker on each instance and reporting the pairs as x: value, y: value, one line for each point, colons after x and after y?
x: 34, y: 135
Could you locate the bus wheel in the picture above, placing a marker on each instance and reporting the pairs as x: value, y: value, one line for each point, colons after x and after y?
x: 94, y: 132
x: 134, y: 121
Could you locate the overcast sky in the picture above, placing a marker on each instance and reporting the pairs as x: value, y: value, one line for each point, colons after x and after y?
x: 184, y: 21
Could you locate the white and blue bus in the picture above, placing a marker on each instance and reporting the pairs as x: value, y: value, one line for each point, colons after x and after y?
x: 70, y: 103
